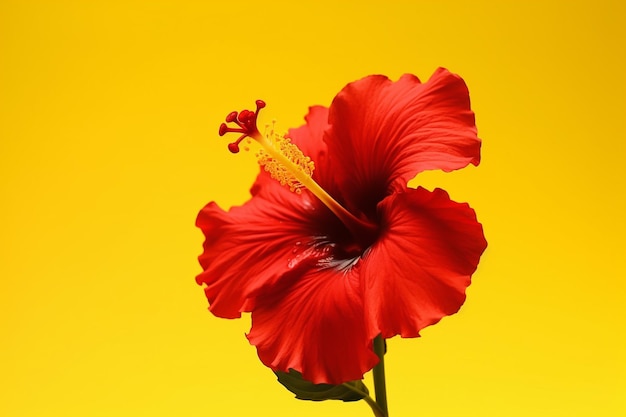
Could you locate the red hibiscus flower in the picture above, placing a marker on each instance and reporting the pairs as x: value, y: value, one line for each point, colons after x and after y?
x: 325, y: 272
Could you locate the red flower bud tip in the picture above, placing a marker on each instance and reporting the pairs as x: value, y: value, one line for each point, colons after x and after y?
x: 246, y: 120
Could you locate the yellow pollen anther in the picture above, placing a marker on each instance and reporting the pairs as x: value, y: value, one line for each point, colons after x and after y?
x: 300, y: 163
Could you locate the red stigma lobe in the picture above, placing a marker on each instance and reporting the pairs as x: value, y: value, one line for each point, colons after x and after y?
x: 246, y: 122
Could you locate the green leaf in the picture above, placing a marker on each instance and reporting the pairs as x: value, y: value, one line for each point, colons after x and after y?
x: 307, y: 390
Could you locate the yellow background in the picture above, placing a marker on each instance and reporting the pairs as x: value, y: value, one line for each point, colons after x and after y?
x: 108, y: 148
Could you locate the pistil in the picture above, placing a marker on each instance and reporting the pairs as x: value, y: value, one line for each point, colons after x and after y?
x: 288, y: 165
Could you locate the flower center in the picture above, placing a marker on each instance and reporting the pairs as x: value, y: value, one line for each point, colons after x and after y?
x: 286, y: 163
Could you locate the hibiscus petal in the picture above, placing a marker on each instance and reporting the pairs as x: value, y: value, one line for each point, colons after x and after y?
x: 419, y: 268
x: 315, y: 326
x: 254, y: 245
x: 383, y: 133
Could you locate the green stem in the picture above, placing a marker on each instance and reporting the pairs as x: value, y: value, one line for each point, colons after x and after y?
x: 375, y: 408
x: 379, y: 375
